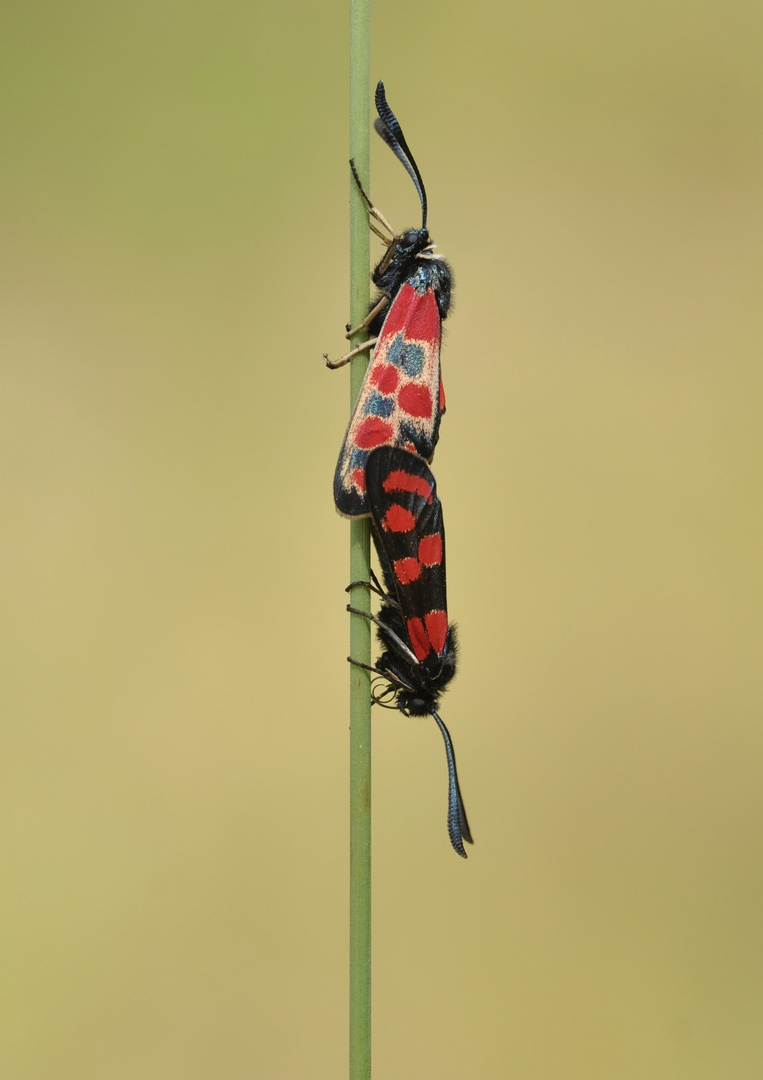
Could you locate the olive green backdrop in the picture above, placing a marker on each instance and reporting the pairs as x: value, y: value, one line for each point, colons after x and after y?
x: 173, y: 197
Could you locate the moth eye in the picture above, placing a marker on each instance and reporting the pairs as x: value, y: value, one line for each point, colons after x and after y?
x: 410, y: 238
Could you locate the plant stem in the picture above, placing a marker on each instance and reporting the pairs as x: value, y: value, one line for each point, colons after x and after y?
x: 360, y: 565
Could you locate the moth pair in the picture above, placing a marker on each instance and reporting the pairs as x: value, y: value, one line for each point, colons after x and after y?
x: 383, y: 470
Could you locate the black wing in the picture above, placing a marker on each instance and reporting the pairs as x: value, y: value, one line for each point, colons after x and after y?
x: 410, y: 539
x: 420, y: 656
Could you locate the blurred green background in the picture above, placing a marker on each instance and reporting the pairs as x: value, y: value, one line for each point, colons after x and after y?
x: 173, y: 199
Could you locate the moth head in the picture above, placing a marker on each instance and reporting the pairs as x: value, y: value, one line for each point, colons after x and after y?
x: 413, y: 244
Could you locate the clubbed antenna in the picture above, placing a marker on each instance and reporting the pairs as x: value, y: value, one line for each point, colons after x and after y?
x: 390, y: 130
x: 458, y: 826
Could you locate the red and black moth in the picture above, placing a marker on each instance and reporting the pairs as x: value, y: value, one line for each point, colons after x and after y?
x: 419, y: 657
x: 401, y: 400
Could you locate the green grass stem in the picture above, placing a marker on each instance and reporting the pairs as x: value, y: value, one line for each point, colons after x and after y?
x: 360, y: 564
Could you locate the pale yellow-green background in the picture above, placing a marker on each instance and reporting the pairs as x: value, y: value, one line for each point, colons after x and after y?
x: 173, y: 190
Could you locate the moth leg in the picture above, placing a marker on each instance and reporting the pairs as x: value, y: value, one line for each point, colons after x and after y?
x: 373, y: 585
x: 382, y: 592
x: 378, y: 232
x: 375, y: 581
x: 348, y: 356
x: 371, y: 208
x: 366, y: 614
x: 391, y: 249
x: 352, y: 330
x: 396, y: 683
x: 389, y: 692
x: 390, y: 635
x: 358, y: 663
x: 393, y: 682
x: 367, y: 585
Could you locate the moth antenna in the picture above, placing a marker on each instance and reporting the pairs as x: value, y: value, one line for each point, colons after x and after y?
x: 458, y: 826
x: 388, y: 127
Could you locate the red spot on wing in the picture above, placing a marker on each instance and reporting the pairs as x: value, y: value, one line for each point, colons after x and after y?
x: 385, y: 378
x: 373, y: 431
x: 418, y: 638
x: 430, y: 550
x: 415, y: 400
x: 436, y: 623
x: 406, y: 570
x: 398, y: 519
x: 400, y: 480
x: 400, y: 312
x: 418, y: 315
x: 358, y: 478
x: 424, y: 319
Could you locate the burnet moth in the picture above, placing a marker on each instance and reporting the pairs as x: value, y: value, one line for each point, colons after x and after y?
x: 401, y: 400
x: 419, y: 657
